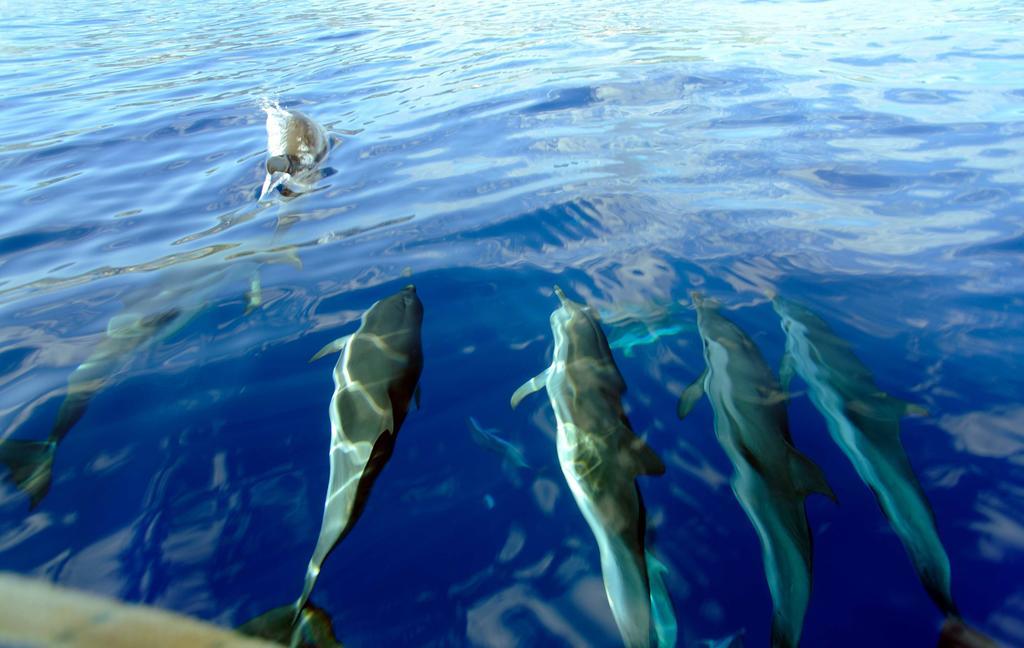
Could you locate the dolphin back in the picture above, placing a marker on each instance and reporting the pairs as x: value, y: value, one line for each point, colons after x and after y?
x: 375, y: 380
x: 863, y: 420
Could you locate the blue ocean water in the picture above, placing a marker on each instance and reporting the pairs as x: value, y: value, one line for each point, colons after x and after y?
x: 863, y: 158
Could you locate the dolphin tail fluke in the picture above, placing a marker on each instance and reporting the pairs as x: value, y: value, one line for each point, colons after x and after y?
x: 254, y: 296
x: 31, y: 466
x: 331, y: 347
x: 528, y: 387
x: 666, y: 629
x: 957, y: 634
x: 808, y: 477
x: 312, y: 627
x: 780, y: 635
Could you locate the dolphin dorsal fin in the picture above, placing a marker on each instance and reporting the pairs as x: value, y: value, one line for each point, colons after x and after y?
x: 642, y: 459
x: 807, y: 476
x: 693, y: 393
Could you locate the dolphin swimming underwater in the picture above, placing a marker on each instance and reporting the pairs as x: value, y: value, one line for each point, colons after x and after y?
x: 864, y: 421
x: 512, y: 458
x: 31, y: 462
x: 771, y: 477
x: 146, y: 321
x: 601, y: 457
x: 296, y: 145
x: 376, y: 379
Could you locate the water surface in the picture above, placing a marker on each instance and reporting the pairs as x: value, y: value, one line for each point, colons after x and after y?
x: 864, y: 158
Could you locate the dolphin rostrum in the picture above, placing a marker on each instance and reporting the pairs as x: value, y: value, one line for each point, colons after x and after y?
x: 158, y: 315
x: 376, y: 379
x: 601, y: 457
x: 864, y: 421
x: 771, y: 477
x: 296, y: 145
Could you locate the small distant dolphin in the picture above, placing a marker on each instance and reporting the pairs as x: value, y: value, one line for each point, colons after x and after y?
x: 512, y: 456
x: 631, y: 339
x: 864, y: 421
x: 772, y: 477
x: 601, y: 457
x: 145, y: 322
x: 296, y: 145
x: 376, y: 378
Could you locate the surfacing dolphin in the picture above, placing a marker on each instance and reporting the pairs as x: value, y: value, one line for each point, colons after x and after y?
x: 771, y: 477
x: 601, y: 457
x: 375, y: 380
x: 296, y: 145
x: 864, y: 422
x: 183, y: 294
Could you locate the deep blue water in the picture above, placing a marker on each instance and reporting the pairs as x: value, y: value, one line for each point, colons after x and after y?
x: 864, y: 158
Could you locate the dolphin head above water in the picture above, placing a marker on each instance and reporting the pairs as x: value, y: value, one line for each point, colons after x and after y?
x: 296, y: 144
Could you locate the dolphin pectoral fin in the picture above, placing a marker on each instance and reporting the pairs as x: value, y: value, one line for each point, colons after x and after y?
x: 533, y: 384
x: 808, y: 477
x: 886, y: 407
x: 416, y: 397
x: 693, y: 393
x: 787, y: 369
x: 331, y: 347
x: 912, y: 409
x: 663, y: 617
x: 254, y: 296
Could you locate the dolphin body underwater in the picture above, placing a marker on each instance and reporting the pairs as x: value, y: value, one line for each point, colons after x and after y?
x: 601, y: 457
x: 376, y: 379
x: 296, y: 145
x: 144, y: 323
x: 772, y: 478
x: 512, y: 458
x: 864, y: 422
